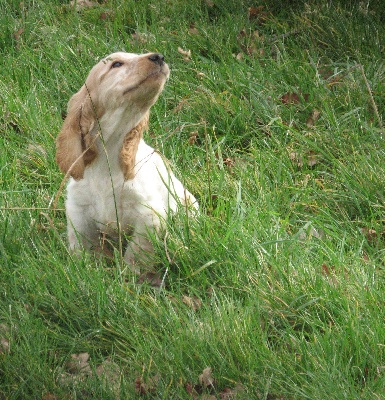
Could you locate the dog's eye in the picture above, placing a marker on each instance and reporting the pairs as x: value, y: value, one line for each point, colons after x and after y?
x: 116, y: 64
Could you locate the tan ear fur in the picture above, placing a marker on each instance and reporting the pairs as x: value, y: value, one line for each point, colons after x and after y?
x: 130, y: 148
x: 75, y: 147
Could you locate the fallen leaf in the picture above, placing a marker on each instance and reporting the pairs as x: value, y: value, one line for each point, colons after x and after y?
x: 106, y: 15
x: 370, y: 234
x: 296, y: 158
x: 110, y: 373
x: 5, y: 333
x: 206, y: 379
x: 229, y: 162
x: 312, y: 159
x: 155, y: 279
x: 229, y: 394
x: 193, y: 138
x: 258, y: 14
x: 290, y: 98
x: 185, y: 53
x: 142, y: 37
x: 81, y: 4
x: 329, y: 273
x: 78, y: 364
x: 326, y: 270
x: 193, y: 302
x: 380, y: 369
x: 17, y: 36
x: 4, y: 346
x: 193, y: 30
x: 313, y: 118
x: 242, y: 34
x: 150, y: 386
x: 193, y: 390
x: 49, y: 396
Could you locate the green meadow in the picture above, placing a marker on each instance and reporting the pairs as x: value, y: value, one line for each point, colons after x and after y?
x: 273, y: 118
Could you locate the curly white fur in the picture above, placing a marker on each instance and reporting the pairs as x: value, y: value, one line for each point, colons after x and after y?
x: 118, y: 183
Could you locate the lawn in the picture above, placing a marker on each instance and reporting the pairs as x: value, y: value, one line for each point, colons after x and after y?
x: 273, y: 118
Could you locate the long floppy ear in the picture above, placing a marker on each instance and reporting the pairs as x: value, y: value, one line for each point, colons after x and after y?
x: 130, y: 147
x: 74, y: 145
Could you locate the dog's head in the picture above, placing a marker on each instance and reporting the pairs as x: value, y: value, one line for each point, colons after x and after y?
x: 121, y: 80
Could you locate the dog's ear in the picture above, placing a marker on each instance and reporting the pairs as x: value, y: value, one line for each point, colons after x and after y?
x: 130, y: 147
x: 75, y: 147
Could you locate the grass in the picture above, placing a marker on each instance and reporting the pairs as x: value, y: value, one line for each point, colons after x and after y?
x: 278, y: 285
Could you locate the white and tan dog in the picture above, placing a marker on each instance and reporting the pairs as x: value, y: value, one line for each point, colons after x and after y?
x: 118, y: 183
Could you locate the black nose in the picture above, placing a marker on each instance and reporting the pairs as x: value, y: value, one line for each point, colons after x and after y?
x: 157, y: 58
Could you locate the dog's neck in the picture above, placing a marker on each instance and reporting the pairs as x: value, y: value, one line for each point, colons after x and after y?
x: 120, y: 132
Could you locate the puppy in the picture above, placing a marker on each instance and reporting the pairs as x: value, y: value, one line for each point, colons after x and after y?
x: 118, y: 184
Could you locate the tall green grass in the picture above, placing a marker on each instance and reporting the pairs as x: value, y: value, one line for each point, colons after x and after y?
x: 278, y: 284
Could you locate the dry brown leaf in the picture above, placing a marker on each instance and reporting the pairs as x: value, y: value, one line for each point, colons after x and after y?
x: 290, y: 98
x: 4, y: 346
x: 370, y: 234
x: 193, y: 302
x: 251, y: 43
x: 326, y: 270
x: 81, y: 4
x: 258, y: 14
x: 110, y: 373
x: 185, y: 53
x: 193, y: 30
x: 106, y: 15
x: 229, y: 162
x: 17, y: 34
x: 312, y: 159
x: 296, y: 158
x: 78, y: 364
x: 49, y: 396
x: 329, y: 273
x: 230, y: 394
x: 154, y: 279
x: 313, y: 118
x: 206, y: 379
x: 142, y: 37
x: 150, y: 386
x: 242, y: 34
x: 5, y: 333
x: 193, y: 138
x: 193, y: 390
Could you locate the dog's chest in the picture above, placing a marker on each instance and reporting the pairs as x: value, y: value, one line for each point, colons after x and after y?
x: 116, y: 202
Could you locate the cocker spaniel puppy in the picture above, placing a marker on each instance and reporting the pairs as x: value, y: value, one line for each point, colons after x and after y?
x: 118, y: 184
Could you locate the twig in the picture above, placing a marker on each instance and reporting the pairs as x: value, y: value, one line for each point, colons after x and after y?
x: 374, y: 105
x: 166, y: 249
x: 208, y: 165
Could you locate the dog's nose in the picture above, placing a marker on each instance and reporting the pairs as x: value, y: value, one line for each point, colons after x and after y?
x: 157, y: 58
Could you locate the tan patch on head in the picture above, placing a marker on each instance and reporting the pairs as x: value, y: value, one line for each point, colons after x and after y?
x: 130, y: 148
